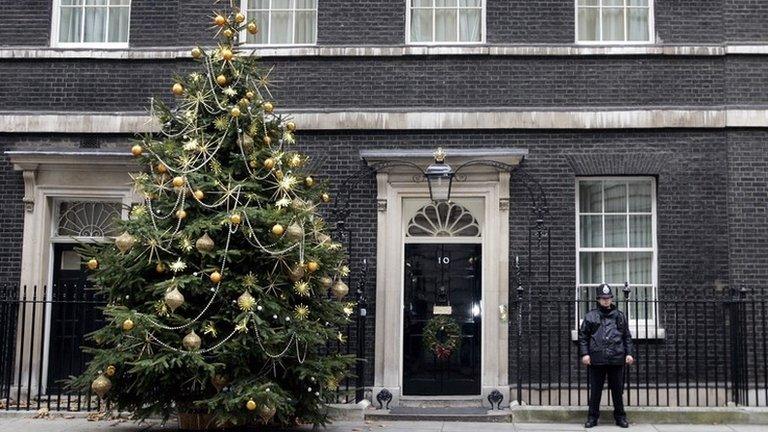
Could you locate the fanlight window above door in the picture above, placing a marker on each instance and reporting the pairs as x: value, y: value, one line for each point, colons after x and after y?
x: 444, y: 219
x: 95, y: 219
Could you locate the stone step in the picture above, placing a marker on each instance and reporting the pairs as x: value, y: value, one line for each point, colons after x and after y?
x: 456, y: 414
x: 443, y: 402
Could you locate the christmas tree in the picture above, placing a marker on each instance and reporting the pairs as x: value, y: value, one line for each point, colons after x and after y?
x: 225, y: 286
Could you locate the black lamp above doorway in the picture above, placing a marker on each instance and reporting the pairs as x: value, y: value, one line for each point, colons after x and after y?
x: 439, y: 177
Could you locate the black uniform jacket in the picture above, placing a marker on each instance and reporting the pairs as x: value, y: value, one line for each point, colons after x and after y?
x: 604, y: 336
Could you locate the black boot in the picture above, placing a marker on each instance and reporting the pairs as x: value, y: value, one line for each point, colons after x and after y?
x: 622, y: 422
x: 591, y: 422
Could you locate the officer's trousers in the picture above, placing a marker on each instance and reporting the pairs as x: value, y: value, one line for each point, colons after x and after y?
x: 596, y: 376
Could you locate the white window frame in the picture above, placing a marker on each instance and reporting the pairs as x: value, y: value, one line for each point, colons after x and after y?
x: 648, y: 329
x: 56, y: 23
x: 408, y: 41
x: 651, y: 26
x: 244, y: 34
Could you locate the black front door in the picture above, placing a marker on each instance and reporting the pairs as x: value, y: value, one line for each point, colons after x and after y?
x: 442, y: 283
x: 74, y: 313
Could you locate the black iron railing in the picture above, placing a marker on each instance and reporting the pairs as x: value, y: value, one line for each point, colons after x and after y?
x: 689, y: 352
x: 42, y: 332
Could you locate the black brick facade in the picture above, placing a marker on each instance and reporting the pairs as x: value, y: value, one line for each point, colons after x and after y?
x: 712, y: 183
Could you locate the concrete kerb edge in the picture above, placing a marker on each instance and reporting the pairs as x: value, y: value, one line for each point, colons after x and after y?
x: 647, y: 415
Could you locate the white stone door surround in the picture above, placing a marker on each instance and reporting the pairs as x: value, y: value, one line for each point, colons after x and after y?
x: 393, y: 186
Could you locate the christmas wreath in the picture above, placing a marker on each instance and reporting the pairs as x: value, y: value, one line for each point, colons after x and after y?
x: 442, y: 335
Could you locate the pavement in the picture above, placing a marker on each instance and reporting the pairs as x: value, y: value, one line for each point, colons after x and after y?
x: 61, y: 424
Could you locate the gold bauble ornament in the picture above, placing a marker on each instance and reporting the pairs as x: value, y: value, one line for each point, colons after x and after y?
x: 322, y: 238
x: 178, y: 181
x: 228, y: 33
x: 173, y: 299
x: 235, y: 218
x: 227, y: 54
x: 298, y: 204
x: 160, y: 267
x: 294, y: 232
x: 267, y: 141
x: 204, y: 243
x: 266, y: 413
x: 268, y: 107
x: 161, y: 168
x: 309, y: 181
x: 235, y: 112
x: 181, y: 214
x: 313, y: 266
x: 279, y: 175
x: 197, y: 53
x: 215, y: 277
x: 243, y: 103
x: 250, y: 405
x: 253, y: 28
x: 92, y: 264
x: 340, y: 289
x: 219, y: 20
x: 326, y: 282
x: 269, y: 163
x: 101, y: 385
x: 199, y: 195
x: 111, y: 371
x: 137, y: 150
x: 246, y: 301
x: 177, y: 89
x: 124, y: 242
x: 191, y: 341
x: 128, y: 325
x: 221, y: 80
x: 325, y: 197
x: 278, y: 230
x: 250, y: 95
x: 296, y: 273
x: 290, y: 126
x: 239, y: 17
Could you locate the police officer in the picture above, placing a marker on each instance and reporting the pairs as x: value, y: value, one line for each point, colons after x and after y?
x: 605, y: 346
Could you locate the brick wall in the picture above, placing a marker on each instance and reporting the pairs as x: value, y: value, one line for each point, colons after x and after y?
x: 376, y: 22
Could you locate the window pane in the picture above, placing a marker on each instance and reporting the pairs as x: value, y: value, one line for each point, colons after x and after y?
x: 306, y: 4
x: 69, y: 29
x: 615, y: 268
x: 590, y: 196
x: 589, y: 268
x: 280, y: 33
x: 445, y: 3
x: 421, y: 3
x: 638, y: 24
x: 421, y: 25
x: 445, y: 25
x: 615, y: 231
x: 640, y: 268
x: 643, y: 306
x: 640, y: 196
x: 591, y: 230
x: 615, y: 197
x: 637, y: 2
x: 71, y: 2
x: 589, y: 2
x: 305, y: 27
x: 118, y: 24
x: 613, y: 24
x: 281, y: 4
x: 613, y: 2
x: 589, y: 24
x: 262, y: 20
x: 95, y: 24
x: 119, y: 2
x: 258, y: 4
x: 469, y: 3
x: 469, y: 25
x: 96, y: 2
x: 640, y: 231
